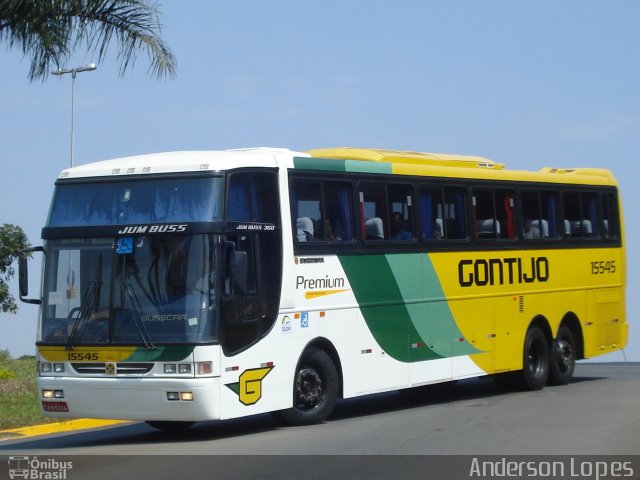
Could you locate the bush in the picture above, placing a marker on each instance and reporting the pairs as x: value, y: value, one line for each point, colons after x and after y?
x: 6, y: 374
x: 5, y: 356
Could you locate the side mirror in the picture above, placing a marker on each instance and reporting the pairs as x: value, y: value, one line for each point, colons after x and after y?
x: 23, y: 275
x: 235, y: 270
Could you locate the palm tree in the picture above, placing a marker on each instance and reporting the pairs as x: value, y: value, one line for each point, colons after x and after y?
x: 49, y: 31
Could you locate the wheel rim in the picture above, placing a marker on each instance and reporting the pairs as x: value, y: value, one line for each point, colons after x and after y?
x: 535, y: 358
x: 565, y: 355
x: 310, y: 389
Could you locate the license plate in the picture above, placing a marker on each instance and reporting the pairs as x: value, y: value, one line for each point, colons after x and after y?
x: 55, y: 406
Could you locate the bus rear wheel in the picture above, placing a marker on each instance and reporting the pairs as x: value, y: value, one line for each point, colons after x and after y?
x: 535, y: 371
x: 315, y: 389
x: 563, y: 357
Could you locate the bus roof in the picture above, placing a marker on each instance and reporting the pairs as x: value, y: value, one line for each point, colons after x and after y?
x: 182, y: 161
x: 336, y: 159
x: 461, y: 166
x: 398, y: 156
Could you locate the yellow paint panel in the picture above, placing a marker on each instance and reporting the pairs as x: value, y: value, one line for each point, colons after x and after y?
x: 494, y: 296
x: 90, y: 354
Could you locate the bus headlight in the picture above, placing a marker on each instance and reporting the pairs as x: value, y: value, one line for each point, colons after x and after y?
x: 184, y: 368
x: 170, y: 368
x: 58, y: 367
x: 45, y: 367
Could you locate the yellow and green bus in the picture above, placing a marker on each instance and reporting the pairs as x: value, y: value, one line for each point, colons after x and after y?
x: 189, y: 286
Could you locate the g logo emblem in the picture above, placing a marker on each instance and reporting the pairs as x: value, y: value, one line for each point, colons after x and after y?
x: 249, y: 385
x: 110, y: 368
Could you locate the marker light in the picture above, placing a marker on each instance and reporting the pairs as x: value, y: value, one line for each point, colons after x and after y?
x: 184, y: 368
x: 186, y: 396
x: 173, y: 396
x: 205, y: 368
x: 58, y: 394
x: 170, y: 368
x: 47, y: 393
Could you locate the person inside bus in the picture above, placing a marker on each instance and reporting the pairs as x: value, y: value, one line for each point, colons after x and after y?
x: 398, y: 232
x: 333, y: 230
x: 530, y: 231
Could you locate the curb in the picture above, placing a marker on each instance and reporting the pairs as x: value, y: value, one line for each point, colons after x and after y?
x: 56, y: 427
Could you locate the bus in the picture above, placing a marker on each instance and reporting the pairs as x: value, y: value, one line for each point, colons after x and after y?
x: 187, y: 286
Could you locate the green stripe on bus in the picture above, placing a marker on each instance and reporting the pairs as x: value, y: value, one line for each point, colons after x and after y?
x: 429, y: 310
x: 367, y: 167
x: 305, y: 163
x: 411, y: 321
x: 335, y: 165
x: 383, y: 307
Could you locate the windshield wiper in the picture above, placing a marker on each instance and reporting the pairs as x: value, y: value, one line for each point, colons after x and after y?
x: 131, y: 300
x: 89, y: 299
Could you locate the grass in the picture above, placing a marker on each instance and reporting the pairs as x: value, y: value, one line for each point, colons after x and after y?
x: 19, y: 404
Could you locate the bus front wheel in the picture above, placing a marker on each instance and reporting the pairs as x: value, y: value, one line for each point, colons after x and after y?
x: 315, y: 389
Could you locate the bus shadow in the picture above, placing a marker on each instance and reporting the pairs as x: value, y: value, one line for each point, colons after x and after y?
x: 417, y: 397
x: 484, y: 388
x: 140, y: 433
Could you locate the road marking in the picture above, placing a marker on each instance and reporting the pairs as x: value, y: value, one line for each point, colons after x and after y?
x: 56, y: 427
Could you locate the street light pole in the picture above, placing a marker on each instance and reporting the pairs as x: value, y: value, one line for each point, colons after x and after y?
x: 74, y: 72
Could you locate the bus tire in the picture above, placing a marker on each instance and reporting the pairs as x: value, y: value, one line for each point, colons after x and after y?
x: 169, y: 426
x: 315, y: 389
x: 535, y: 366
x: 563, y: 357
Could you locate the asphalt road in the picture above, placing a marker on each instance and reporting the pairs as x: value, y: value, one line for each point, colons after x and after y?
x: 597, y: 414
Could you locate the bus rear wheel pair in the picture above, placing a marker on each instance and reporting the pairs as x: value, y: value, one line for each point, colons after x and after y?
x: 544, y: 363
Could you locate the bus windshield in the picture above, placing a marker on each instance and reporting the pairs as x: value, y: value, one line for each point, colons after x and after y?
x: 159, y: 200
x: 159, y: 291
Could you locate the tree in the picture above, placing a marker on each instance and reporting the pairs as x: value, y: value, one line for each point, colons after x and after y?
x: 12, y: 241
x: 49, y: 31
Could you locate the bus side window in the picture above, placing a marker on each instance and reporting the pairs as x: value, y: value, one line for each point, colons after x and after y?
x: 581, y: 214
x: 374, y: 215
x: 306, y: 210
x: 252, y: 197
x: 494, y: 214
x: 401, y: 208
x: 455, y: 211
x: 321, y: 211
x: 484, y: 215
x: 609, y: 216
x: 443, y: 213
x: 337, y: 220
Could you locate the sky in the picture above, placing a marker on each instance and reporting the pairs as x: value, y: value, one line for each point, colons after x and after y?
x: 528, y: 84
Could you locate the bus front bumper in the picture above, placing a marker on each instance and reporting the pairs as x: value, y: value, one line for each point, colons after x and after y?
x: 132, y: 398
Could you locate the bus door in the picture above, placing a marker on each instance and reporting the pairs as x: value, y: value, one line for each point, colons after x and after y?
x: 249, y: 287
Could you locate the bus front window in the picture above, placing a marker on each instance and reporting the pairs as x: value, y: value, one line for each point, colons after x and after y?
x: 162, y: 291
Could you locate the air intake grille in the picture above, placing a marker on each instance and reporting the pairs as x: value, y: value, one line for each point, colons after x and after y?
x: 121, y: 368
